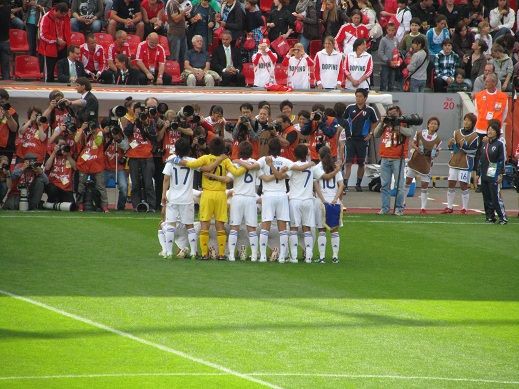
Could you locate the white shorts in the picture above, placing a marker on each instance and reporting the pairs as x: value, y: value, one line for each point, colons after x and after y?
x: 422, y: 177
x: 243, y: 208
x: 302, y: 213
x: 182, y: 213
x: 459, y: 175
x: 275, y: 206
x: 318, y: 213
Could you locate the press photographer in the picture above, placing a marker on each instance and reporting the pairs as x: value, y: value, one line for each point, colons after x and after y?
x: 288, y: 136
x: 8, y: 125
x: 27, y: 184
x: 90, y: 164
x: 250, y: 129
x: 32, y: 135
x: 60, y: 167
x: 56, y: 113
x: 394, y: 132
x: 115, y: 147
x: 322, y: 129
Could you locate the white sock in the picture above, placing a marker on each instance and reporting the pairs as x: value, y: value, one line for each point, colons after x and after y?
x: 283, y: 245
x: 321, y: 242
x: 170, y: 238
x: 465, y: 194
x: 253, y: 241
x: 336, y: 241
x: 309, y: 245
x: 451, y: 194
x: 423, y: 198
x: 162, y: 240
x: 264, y: 238
x: 293, y: 245
x: 191, y: 236
x: 232, y: 241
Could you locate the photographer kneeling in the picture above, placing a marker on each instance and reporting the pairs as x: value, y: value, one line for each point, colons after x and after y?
x: 29, y: 177
x: 60, y: 167
x: 393, y: 148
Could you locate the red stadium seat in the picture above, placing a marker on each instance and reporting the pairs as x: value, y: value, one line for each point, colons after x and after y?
x: 163, y: 41
x: 104, y: 40
x: 173, y: 69
x: 291, y: 42
x: 27, y: 67
x: 266, y: 6
x: 133, y: 42
x: 280, y: 72
x: 315, y: 47
x: 248, y: 72
x: 77, y: 38
x: 18, y: 41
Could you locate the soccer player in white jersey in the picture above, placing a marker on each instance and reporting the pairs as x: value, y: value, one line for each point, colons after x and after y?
x: 243, y: 202
x: 328, y: 187
x: 177, y: 196
x: 301, y: 203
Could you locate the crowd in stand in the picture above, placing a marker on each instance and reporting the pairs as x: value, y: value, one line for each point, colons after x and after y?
x: 449, y: 45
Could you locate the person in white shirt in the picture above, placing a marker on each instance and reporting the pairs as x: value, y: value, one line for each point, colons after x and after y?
x: 328, y: 187
x: 264, y: 62
x: 329, y: 66
x: 358, y: 66
x: 404, y: 16
x: 298, y: 65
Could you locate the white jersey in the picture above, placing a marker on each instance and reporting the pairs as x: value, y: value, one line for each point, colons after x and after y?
x: 180, y: 182
x: 275, y: 186
x: 404, y: 18
x: 328, y: 187
x: 329, y: 69
x: 301, y: 183
x: 358, y: 67
x: 298, y: 71
x: 264, y: 68
x: 245, y: 184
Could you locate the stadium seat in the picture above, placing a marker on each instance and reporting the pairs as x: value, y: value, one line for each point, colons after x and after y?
x: 315, y: 46
x: 104, y: 40
x: 133, y: 41
x: 163, y: 41
x: 173, y: 69
x: 280, y: 72
x: 266, y: 6
x: 27, y: 67
x: 77, y: 38
x: 248, y: 73
x: 18, y: 41
x: 292, y: 41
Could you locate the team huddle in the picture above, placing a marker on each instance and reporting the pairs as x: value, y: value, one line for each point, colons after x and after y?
x: 299, y: 197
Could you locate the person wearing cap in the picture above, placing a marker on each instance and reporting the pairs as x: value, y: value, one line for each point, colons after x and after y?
x: 298, y: 65
x: 29, y: 174
x: 264, y: 62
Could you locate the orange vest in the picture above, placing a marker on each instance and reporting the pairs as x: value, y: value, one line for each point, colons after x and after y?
x: 4, y: 134
x: 490, y: 106
x: 91, y: 158
x: 139, y: 147
x: 389, y: 147
x: 288, y: 151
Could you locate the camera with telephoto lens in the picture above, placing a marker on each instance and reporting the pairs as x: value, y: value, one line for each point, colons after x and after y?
x: 317, y: 116
x: 320, y: 141
x: 6, y: 106
x: 411, y: 120
x: 70, y: 124
x: 61, y: 104
x: 115, y: 130
x: 40, y: 119
x: 33, y: 164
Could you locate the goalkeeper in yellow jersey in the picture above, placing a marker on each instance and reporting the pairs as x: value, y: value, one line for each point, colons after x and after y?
x: 213, y: 202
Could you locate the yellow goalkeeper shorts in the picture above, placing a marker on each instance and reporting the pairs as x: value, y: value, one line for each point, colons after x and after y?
x: 213, y: 204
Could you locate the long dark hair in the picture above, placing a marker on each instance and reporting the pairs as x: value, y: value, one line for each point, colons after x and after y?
x: 326, y: 159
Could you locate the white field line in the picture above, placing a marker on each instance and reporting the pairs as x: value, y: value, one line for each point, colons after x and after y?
x: 140, y: 340
x: 264, y: 374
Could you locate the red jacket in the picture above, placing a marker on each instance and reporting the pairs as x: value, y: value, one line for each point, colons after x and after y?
x: 52, y: 28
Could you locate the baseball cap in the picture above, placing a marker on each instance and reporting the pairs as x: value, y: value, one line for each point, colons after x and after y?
x: 266, y: 41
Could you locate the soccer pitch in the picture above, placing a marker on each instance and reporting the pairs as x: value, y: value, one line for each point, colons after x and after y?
x: 415, y: 302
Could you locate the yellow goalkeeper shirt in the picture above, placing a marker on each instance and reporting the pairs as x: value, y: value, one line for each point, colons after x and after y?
x: 221, y: 170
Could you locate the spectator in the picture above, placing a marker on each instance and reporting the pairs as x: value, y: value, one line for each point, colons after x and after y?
x: 115, y: 147
x: 369, y: 15
x: 33, y: 13
x: 93, y: 58
x: 407, y: 40
x: 126, y: 75
x: 437, y: 35
x: 32, y: 136
x: 151, y: 59
x: 30, y: 175
x: 329, y: 66
x: 358, y: 66
x: 118, y: 46
x: 177, y: 14
x: 393, y: 150
x: 253, y: 21
x: 348, y: 6
x: 197, y: 65
x: 503, y: 66
x: 477, y: 12
x: 5, y: 49
x: 16, y: 15
x: 484, y: 34
x: 226, y: 61
x: 232, y: 18
x: 361, y: 119
x: 126, y: 15
x: 417, y: 68
x: 501, y: 19
x: 452, y: 12
x: 425, y: 12
x: 349, y: 32
x: 202, y: 22
x: 459, y: 84
x: 54, y: 30
x: 87, y: 15
x: 403, y: 16
x: 280, y: 20
x: 479, y: 83
x: 462, y: 41
x: 70, y: 68
x: 8, y: 125
x: 59, y: 168
x: 333, y: 18
x: 306, y: 17
x: 298, y: 65
x: 264, y: 61
x: 87, y: 106
x: 445, y: 64
x: 153, y: 16
x: 475, y: 65
x: 390, y: 55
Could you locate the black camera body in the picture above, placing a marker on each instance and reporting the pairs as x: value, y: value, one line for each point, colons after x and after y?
x: 33, y: 164
x: 40, y: 119
x: 410, y: 120
x: 70, y: 124
x: 317, y: 116
x: 63, y: 149
x: 6, y: 106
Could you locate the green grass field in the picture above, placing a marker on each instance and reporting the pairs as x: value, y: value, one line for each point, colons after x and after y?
x: 415, y: 302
